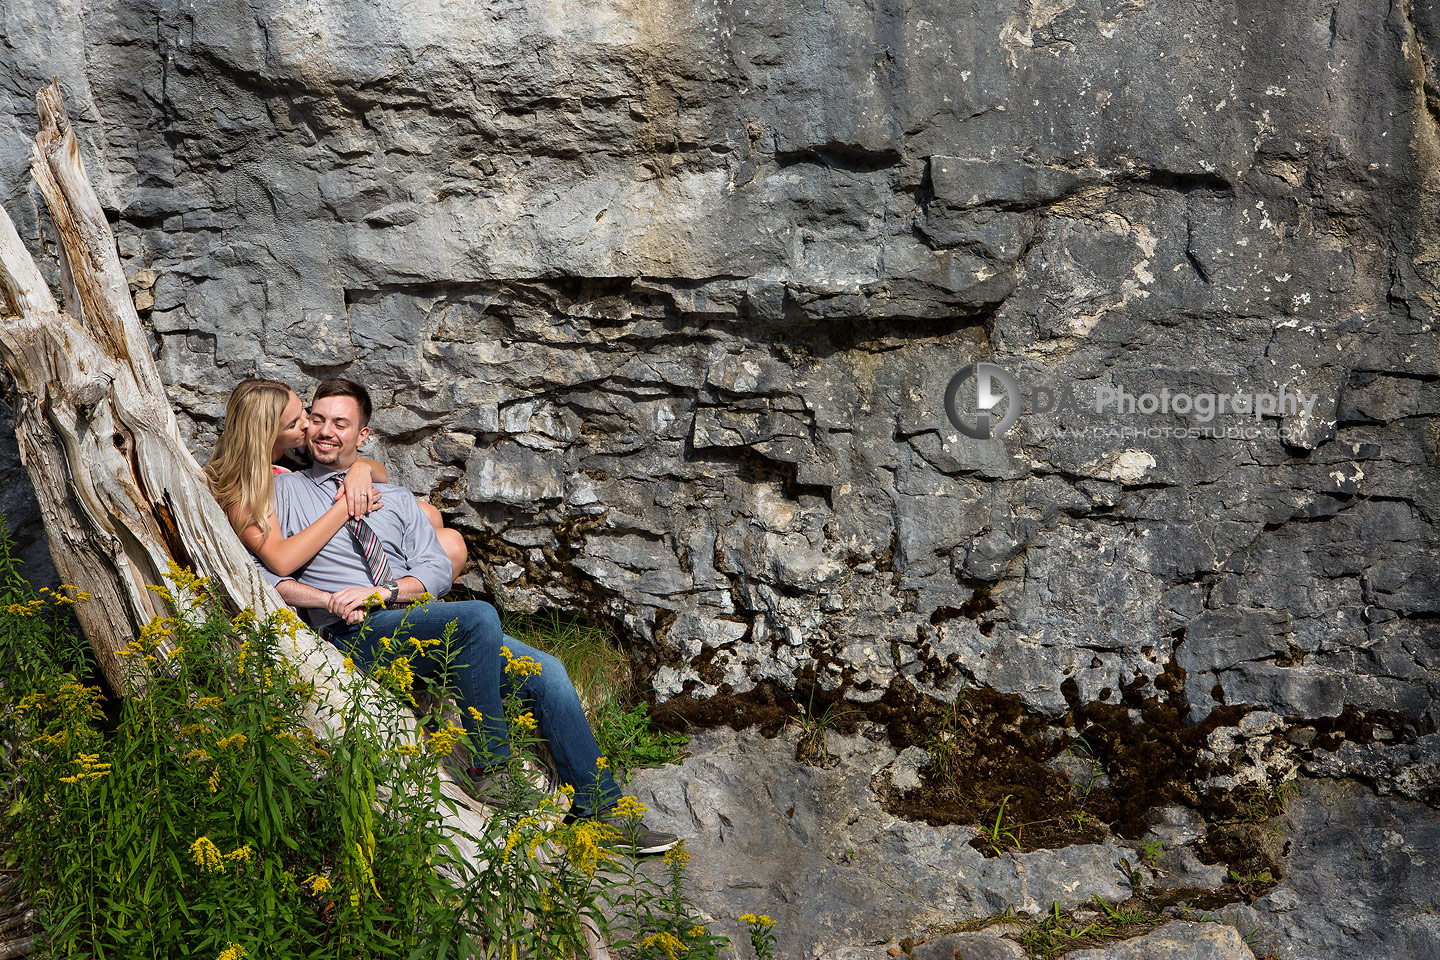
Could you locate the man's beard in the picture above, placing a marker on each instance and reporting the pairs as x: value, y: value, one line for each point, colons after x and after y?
x: 326, y: 456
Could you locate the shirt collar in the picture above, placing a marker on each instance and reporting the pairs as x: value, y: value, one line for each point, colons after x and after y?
x: 320, y: 474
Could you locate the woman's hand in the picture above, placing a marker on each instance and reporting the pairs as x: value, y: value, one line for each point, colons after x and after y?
x: 361, y: 495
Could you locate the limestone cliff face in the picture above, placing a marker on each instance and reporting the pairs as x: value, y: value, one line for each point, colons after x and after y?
x: 661, y: 300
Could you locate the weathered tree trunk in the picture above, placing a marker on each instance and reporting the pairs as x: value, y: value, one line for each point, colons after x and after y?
x: 120, y: 494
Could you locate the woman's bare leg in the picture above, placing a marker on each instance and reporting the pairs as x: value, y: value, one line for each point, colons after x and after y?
x: 451, y: 540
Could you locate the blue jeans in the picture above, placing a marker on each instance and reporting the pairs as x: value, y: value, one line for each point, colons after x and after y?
x: 478, y: 678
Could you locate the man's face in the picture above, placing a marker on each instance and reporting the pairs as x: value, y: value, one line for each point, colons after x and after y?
x: 335, y: 432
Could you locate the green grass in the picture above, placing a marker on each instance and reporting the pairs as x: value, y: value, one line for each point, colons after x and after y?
x: 605, y: 679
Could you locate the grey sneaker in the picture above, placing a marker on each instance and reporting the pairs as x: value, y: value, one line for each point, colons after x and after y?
x: 639, y: 840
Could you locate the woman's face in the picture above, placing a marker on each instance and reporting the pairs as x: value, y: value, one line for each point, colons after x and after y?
x: 292, y: 428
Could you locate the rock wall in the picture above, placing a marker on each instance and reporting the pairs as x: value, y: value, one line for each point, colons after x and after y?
x: 660, y: 301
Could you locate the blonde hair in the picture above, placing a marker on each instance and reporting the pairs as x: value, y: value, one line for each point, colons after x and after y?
x: 239, y: 472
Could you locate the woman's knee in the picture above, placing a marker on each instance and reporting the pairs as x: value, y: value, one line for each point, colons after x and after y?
x: 431, y: 513
x: 453, y: 544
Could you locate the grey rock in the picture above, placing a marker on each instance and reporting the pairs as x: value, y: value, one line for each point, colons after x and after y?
x: 968, y: 946
x: 1176, y: 940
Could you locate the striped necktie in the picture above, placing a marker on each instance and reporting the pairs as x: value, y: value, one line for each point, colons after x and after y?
x: 370, y: 544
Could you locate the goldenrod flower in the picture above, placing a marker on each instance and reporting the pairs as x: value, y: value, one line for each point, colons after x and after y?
x: 442, y: 741
x: 763, y: 921
x: 585, y: 845
x: 232, y: 951
x: 207, y: 703
x: 88, y: 767
x: 385, y: 644
x: 601, y: 763
x: 374, y: 600
x: 421, y: 645
x: 695, y: 931
x: 628, y: 808
x: 667, y: 942
x: 317, y: 883
x: 525, y: 721
x: 349, y: 664
x: 677, y: 856
x: 206, y: 855
x: 215, y: 780
x: 421, y: 600
x: 286, y: 622
x: 523, y: 666
x: 241, y: 854
x: 236, y: 740
x: 196, y: 754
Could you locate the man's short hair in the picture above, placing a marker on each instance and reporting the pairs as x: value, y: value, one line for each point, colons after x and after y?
x: 336, y: 387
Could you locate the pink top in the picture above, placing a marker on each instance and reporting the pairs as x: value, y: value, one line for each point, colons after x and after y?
x: 278, y: 469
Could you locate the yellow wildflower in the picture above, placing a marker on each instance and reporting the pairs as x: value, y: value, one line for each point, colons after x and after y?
x: 408, y: 749
x: 196, y: 754
x: 517, y: 834
x: 349, y: 664
x: 525, y: 721
x: 243, y: 620
x: 523, y: 666
x: 215, y: 780
x: 628, y: 808
x: 385, y: 643
x: 421, y: 645
x: 20, y: 610
x: 374, y: 600
x: 317, y: 883
x: 207, y: 703
x: 763, y: 921
x: 241, y: 656
x: 88, y: 767
x: 695, y: 931
x: 236, y: 740
x: 442, y: 741
x: 398, y: 674
x: 232, y: 951
x: 206, y: 855
x: 241, y: 854
x: 677, y: 856
x: 190, y: 728
x: 586, y: 845
x: 601, y: 763
x: 667, y: 942
x: 286, y: 622
x: 421, y: 600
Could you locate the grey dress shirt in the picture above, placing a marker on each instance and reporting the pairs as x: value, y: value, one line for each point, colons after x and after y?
x: 410, y: 543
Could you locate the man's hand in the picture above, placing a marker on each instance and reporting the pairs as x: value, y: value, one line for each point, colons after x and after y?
x: 298, y: 594
x: 349, y: 603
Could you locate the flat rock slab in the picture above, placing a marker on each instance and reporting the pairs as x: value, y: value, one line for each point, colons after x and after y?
x: 968, y: 946
x: 1178, y: 940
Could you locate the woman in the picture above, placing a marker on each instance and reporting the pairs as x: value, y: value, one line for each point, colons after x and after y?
x: 263, y: 420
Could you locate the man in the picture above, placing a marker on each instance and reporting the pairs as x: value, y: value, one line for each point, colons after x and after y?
x: 394, y: 552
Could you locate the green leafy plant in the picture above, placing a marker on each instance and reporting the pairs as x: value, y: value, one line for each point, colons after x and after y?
x: 1150, y: 853
x: 629, y: 740
x: 997, y: 835
x: 762, y: 939
x: 197, y: 815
